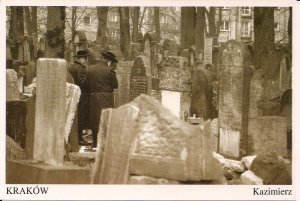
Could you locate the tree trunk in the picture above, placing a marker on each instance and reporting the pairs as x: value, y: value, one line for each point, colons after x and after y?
x: 34, y: 30
x: 13, y: 30
x: 188, y: 15
x: 20, y: 19
x: 28, y: 21
x: 55, y: 32
x: 200, y: 26
x: 265, y: 57
x: 102, y: 26
x: 290, y: 30
x: 157, y: 23
x: 124, y: 32
x: 211, y: 22
x: 264, y: 38
x: 73, y: 23
x: 135, y: 24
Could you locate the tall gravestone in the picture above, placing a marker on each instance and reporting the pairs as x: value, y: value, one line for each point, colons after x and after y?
x: 138, y: 77
x: 122, y: 94
x: 175, y: 76
x: 234, y: 86
x: 50, y: 111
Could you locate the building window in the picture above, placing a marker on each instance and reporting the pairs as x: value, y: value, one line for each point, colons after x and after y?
x: 246, y: 11
x: 225, y: 26
x: 113, y: 17
x: 114, y: 33
x: 276, y: 26
x: 87, y: 20
x: 245, y: 29
x: 163, y: 19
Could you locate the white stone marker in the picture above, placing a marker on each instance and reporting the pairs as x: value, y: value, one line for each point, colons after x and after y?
x: 50, y: 111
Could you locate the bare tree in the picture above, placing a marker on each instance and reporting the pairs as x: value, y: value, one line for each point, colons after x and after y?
x: 135, y: 24
x: 102, y: 26
x: 124, y: 32
x: 188, y: 16
x: 157, y: 22
x: 55, y: 32
x: 264, y: 37
x: 200, y: 27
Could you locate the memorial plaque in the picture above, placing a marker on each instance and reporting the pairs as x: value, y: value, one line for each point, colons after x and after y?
x: 138, y: 79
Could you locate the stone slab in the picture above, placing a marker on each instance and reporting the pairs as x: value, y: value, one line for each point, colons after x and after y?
x: 50, y: 111
x: 267, y: 134
x: 119, y: 145
x: 150, y: 180
x: 28, y: 172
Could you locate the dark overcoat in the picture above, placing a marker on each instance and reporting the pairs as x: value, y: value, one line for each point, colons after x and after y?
x: 79, y: 74
x: 102, y: 82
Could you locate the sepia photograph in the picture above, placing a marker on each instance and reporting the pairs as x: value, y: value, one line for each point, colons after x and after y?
x: 140, y: 95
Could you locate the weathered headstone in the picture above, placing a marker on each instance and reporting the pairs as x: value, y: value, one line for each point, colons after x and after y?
x: 174, y: 77
x: 80, y: 41
x: 12, y: 91
x: 50, y: 111
x: 118, y: 145
x: 138, y: 78
x: 122, y: 94
x: 233, y: 100
x: 267, y: 134
x: 208, y: 47
x: 170, y: 148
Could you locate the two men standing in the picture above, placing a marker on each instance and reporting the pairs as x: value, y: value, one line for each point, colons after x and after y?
x: 97, y: 83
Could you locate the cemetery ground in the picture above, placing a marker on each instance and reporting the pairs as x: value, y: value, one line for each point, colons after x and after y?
x: 206, y: 111
x: 147, y: 138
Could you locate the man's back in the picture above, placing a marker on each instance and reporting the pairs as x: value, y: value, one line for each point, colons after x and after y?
x: 102, y: 78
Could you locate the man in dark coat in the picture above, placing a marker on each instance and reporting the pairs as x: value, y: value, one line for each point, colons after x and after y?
x: 201, y: 104
x: 79, y: 73
x: 102, y: 82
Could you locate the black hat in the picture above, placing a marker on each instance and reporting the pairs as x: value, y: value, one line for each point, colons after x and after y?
x: 110, y: 56
x: 82, y: 53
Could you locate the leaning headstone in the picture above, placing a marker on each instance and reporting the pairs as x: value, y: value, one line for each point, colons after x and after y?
x: 170, y: 148
x: 234, y: 99
x: 50, y: 111
x: 120, y: 135
x: 12, y: 91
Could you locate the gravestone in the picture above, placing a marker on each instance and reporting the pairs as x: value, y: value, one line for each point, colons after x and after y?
x: 170, y: 148
x: 234, y: 86
x: 80, y: 41
x: 267, y: 134
x: 174, y: 77
x: 122, y: 94
x: 50, y: 111
x: 12, y: 91
x: 208, y: 47
x: 138, y: 77
x: 154, y: 144
x: 113, y: 166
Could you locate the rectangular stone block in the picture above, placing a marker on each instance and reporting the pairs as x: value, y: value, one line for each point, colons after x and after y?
x: 267, y: 134
x: 118, y: 146
x: 249, y: 178
x: 229, y: 142
x: 50, y: 111
x: 30, y: 172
